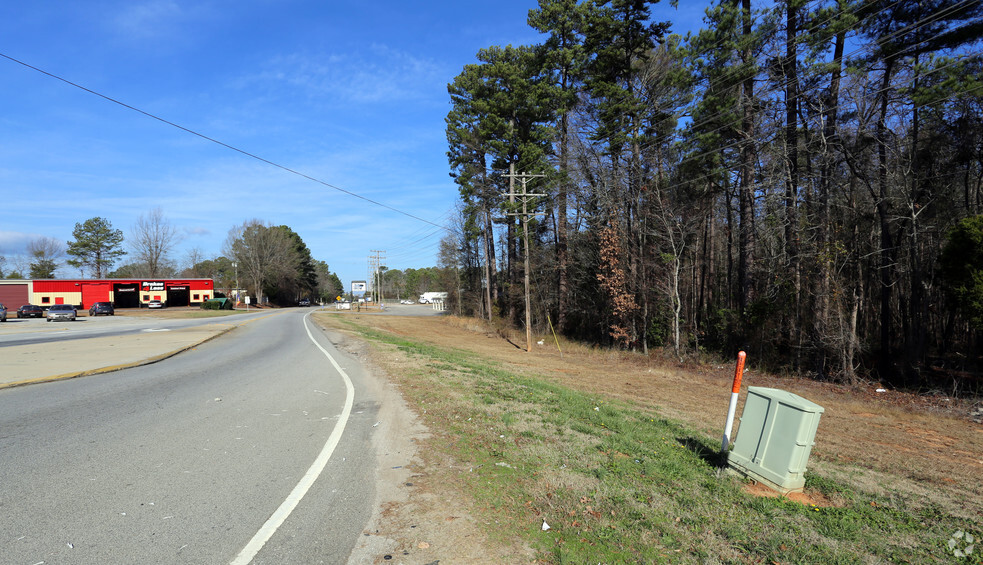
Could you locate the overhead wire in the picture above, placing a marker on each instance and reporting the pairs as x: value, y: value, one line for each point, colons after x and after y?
x: 774, y: 88
x: 218, y: 142
x: 870, y: 46
x: 817, y: 25
x: 738, y: 143
x: 913, y: 26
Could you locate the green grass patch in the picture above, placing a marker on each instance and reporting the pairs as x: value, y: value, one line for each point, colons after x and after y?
x: 619, y: 484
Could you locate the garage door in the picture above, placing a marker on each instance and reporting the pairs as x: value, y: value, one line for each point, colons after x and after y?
x: 94, y: 292
x: 178, y: 295
x: 126, y: 295
x: 13, y: 295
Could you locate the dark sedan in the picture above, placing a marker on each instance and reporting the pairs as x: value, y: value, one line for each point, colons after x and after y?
x: 30, y: 311
x: 102, y: 308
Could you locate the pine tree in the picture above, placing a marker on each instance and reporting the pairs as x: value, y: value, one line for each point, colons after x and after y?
x: 96, y: 247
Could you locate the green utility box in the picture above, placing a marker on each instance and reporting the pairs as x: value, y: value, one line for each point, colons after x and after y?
x: 777, y: 432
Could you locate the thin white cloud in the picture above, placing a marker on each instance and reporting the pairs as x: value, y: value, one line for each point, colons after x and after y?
x: 377, y: 74
x: 15, y: 243
x: 148, y: 19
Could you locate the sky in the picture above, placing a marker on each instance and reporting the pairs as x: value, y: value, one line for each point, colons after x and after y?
x: 352, y: 95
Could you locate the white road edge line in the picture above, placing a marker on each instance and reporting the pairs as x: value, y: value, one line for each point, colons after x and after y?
x: 293, y: 499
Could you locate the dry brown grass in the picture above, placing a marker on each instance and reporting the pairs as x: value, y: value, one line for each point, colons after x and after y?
x: 903, y: 445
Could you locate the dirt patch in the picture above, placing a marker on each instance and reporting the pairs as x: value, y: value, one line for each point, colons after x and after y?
x: 421, y: 517
x: 807, y: 497
x: 925, y: 449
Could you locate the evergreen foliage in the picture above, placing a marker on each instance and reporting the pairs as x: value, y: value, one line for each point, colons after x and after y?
x: 763, y: 184
x: 96, y: 247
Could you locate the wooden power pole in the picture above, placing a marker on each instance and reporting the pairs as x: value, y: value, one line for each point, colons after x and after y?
x: 524, y: 216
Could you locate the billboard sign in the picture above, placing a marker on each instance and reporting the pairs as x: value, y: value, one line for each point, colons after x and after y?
x: 359, y: 288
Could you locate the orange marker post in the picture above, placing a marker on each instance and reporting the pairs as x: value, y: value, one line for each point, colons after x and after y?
x: 734, y: 394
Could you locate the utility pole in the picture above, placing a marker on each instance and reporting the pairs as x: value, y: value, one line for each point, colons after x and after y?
x: 376, y: 264
x: 524, y: 216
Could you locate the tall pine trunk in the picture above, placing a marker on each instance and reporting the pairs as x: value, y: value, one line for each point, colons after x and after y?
x: 745, y: 260
x: 830, y: 141
x: 886, y: 251
x: 792, y: 182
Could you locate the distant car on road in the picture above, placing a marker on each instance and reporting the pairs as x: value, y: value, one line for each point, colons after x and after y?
x: 30, y: 311
x: 61, y: 312
x: 304, y: 302
x: 406, y: 302
x: 104, y: 308
x: 3, y: 313
x: 155, y: 304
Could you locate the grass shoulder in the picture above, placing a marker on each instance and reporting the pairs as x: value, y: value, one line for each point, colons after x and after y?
x: 584, y: 477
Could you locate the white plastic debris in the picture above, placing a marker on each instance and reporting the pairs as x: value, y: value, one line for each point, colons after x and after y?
x: 545, y: 526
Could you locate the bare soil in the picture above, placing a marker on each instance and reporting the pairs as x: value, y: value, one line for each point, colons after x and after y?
x: 923, y: 449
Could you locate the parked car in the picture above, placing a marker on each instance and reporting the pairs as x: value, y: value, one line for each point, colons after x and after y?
x: 304, y: 302
x: 30, y: 311
x: 61, y: 312
x: 3, y: 313
x: 155, y: 304
x: 104, y: 308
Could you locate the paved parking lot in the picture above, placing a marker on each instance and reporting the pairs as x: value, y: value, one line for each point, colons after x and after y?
x: 33, y: 350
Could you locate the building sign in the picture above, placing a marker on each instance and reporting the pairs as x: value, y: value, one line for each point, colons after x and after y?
x: 358, y: 287
x: 182, y: 287
x: 152, y: 286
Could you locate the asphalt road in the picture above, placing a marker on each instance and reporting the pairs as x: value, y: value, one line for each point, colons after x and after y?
x: 187, y: 460
x: 29, y: 331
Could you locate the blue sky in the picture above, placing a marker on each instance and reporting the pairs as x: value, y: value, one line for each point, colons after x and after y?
x: 350, y: 93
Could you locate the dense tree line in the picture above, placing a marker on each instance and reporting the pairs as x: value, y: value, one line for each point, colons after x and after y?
x: 411, y: 283
x: 785, y: 181
x: 274, y: 263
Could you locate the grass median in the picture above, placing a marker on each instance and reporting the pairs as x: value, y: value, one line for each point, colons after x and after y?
x: 616, y: 483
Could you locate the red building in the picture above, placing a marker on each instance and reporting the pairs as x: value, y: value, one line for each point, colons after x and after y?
x: 123, y: 293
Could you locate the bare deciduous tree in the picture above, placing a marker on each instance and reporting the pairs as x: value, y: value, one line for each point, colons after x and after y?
x: 44, y: 254
x: 264, y: 254
x: 152, y: 241
x: 194, y: 257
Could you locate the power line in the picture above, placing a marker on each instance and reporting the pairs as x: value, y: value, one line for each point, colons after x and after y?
x: 735, y: 81
x: 217, y: 142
